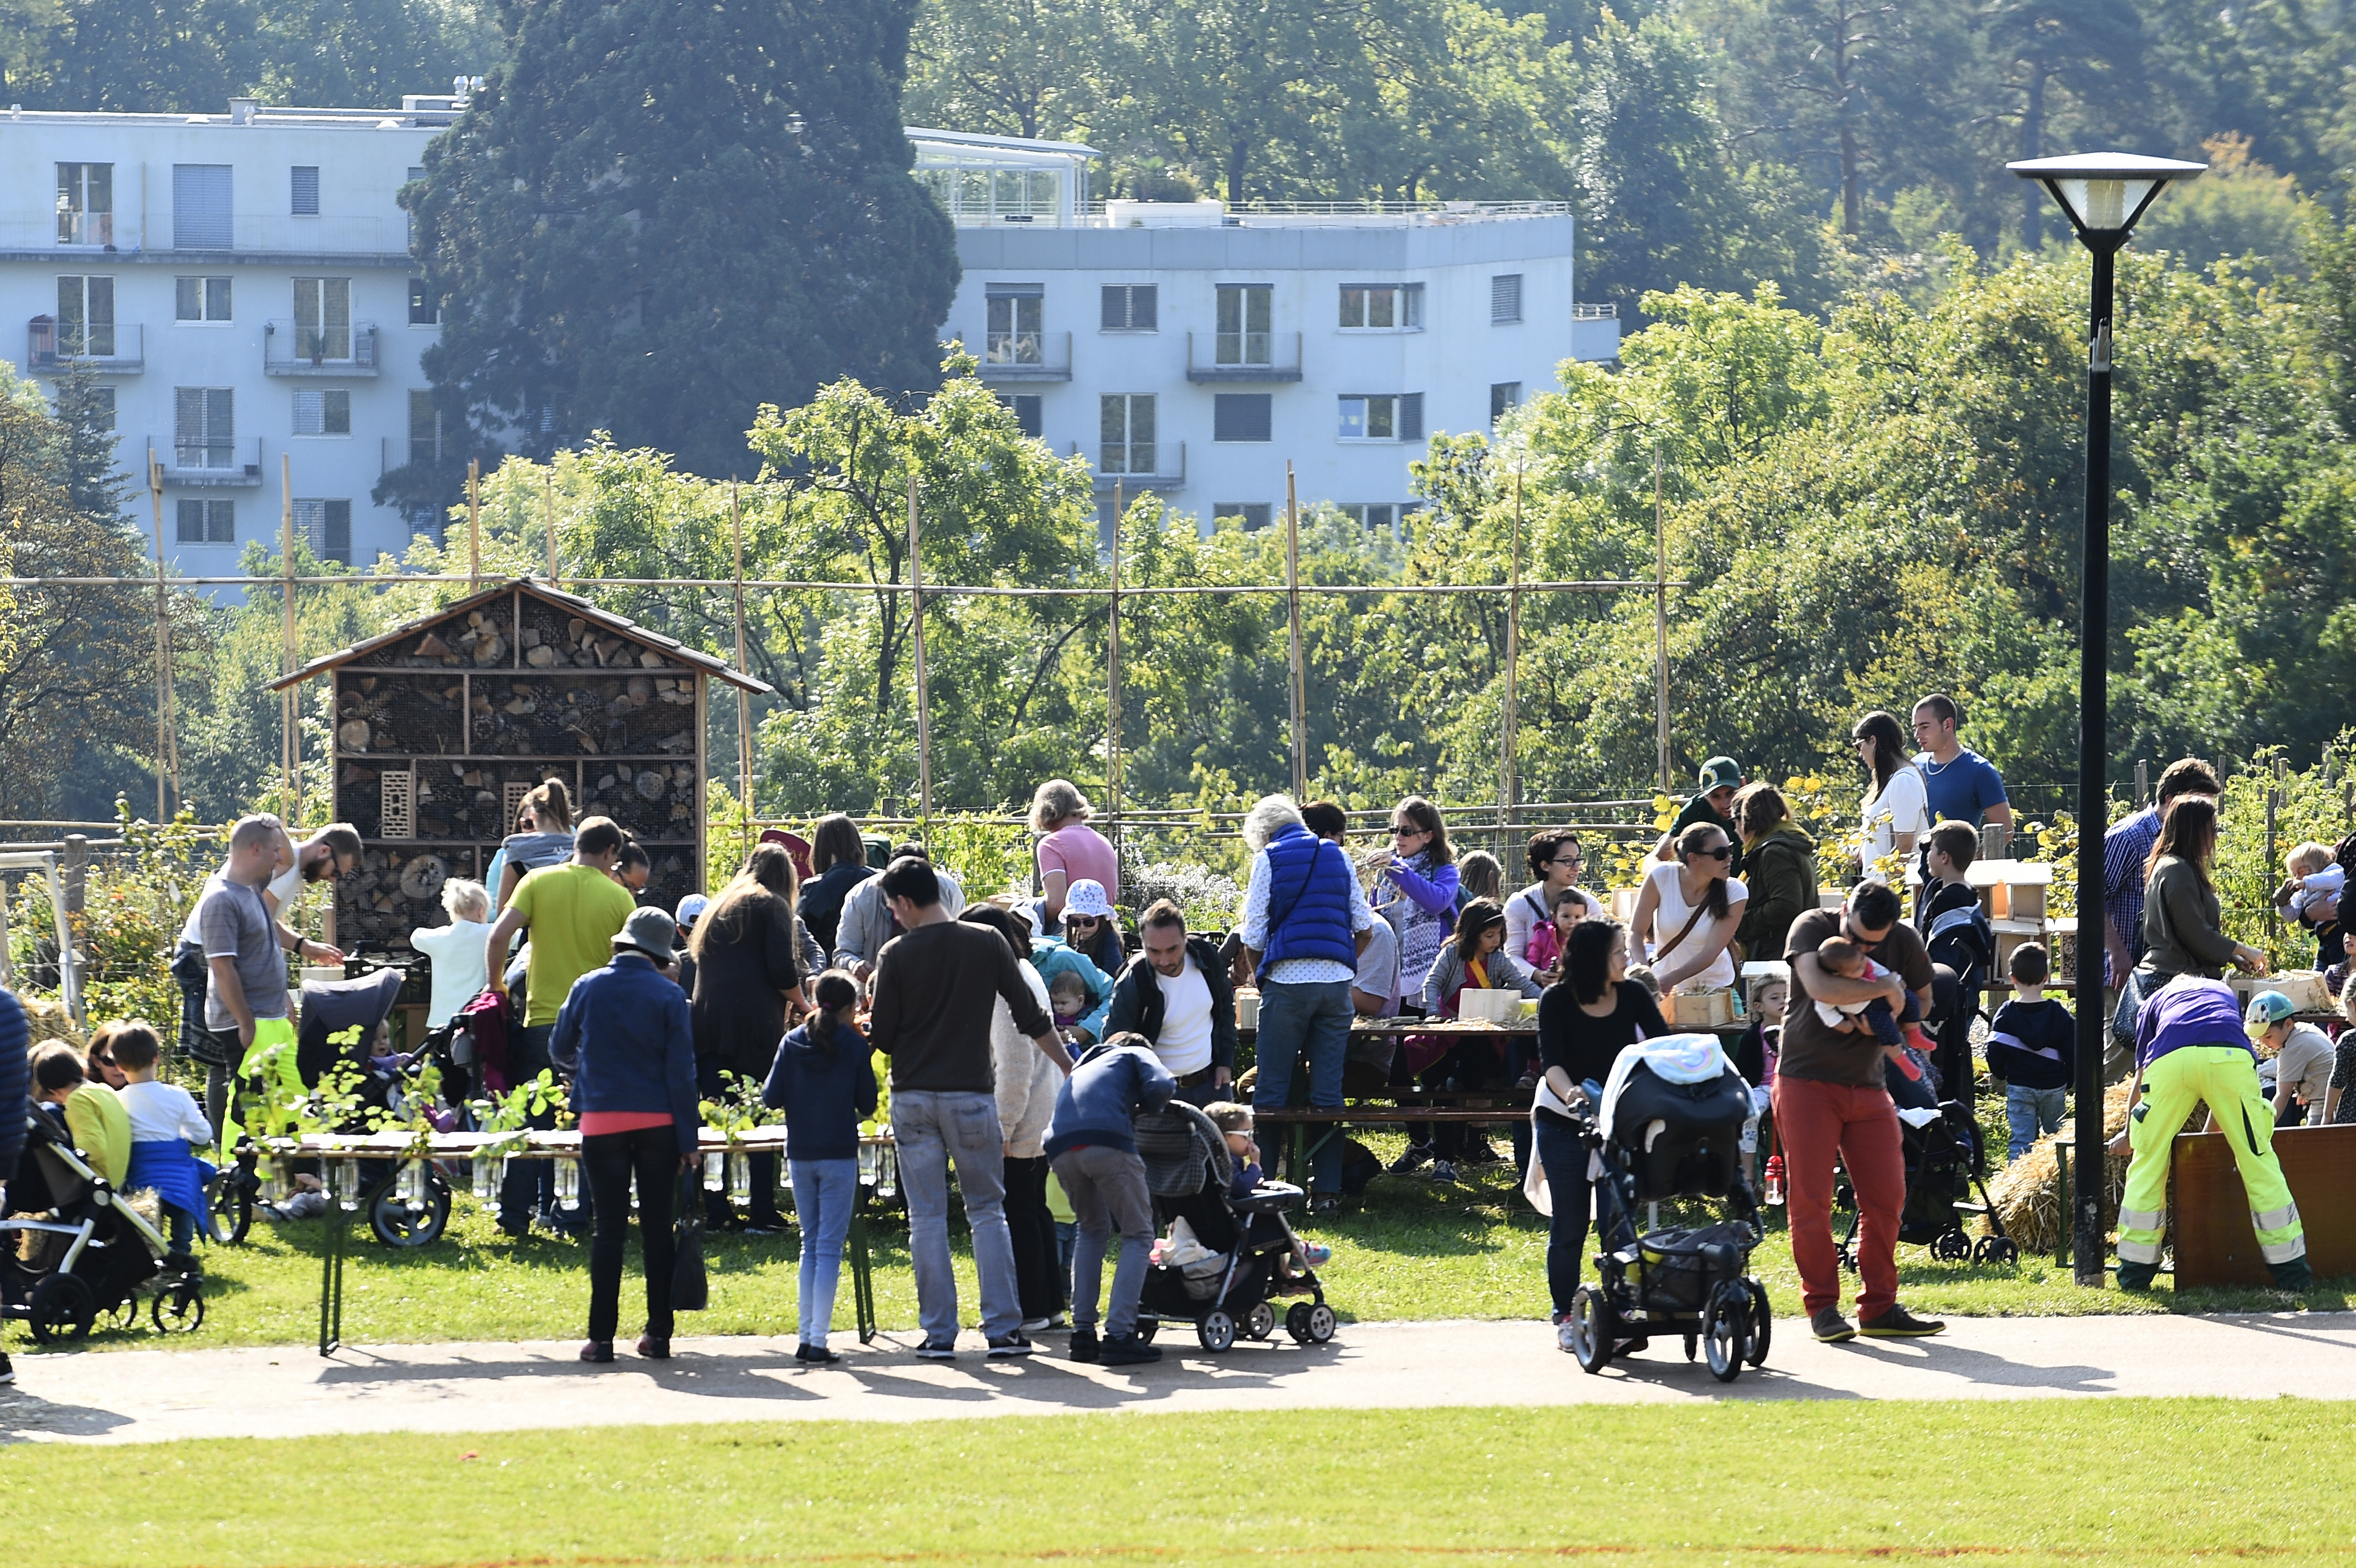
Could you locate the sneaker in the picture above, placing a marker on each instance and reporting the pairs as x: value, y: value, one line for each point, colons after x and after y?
x: 1035, y: 1325
x: 1898, y: 1324
x: 1443, y: 1173
x: 937, y: 1351
x: 1129, y: 1352
x: 816, y: 1354
x: 1566, y: 1334
x: 1830, y: 1326
x: 1325, y: 1204
x: 1060, y: 1323
x: 1416, y: 1155
x: 1084, y: 1344
x: 599, y: 1351
x: 1316, y: 1254
x: 1012, y: 1345
x: 654, y: 1350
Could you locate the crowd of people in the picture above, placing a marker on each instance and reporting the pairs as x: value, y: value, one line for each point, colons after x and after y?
x: 1024, y: 1035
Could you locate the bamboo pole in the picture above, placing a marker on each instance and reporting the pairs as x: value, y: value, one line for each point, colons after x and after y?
x: 167, y: 745
x: 1112, y: 671
x: 1511, y: 719
x: 743, y: 698
x: 474, y: 521
x: 924, y: 700
x: 548, y: 509
x: 142, y: 584
x: 290, y: 707
x: 1660, y: 625
x: 1292, y: 618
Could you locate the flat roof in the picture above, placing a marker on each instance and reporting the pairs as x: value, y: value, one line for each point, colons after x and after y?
x: 1004, y: 143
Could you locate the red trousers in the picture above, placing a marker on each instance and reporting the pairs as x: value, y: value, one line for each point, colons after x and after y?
x: 1812, y: 1121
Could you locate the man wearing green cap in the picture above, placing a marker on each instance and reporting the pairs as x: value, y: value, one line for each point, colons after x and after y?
x: 1720, y: 777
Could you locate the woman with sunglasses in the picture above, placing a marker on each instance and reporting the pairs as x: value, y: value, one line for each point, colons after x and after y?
x: 1689, y: 910
x: 1423, y: 878
x: 1091, y: 928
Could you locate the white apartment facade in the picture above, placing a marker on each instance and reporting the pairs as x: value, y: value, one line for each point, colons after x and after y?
x: 240, y: 283
x: 1196, y: 352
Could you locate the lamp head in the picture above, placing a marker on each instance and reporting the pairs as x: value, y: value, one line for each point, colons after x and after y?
x: 2105, y: 193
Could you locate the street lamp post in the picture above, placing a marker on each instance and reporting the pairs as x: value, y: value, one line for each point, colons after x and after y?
x: 2104, y: 194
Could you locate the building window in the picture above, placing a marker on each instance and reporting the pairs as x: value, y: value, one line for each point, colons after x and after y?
x: 323, y: 318
x: 425, y: 429
x: 85, y: 203
x: 86, y: 316
x: 1131, y: 307
x: 1015, y: 195
x: 1503, y: 395
x: 202, y: 206
x: 323, y: 412
x: 1025, y: 406
x: 102, y: 408
x: 1505, y: 299
x: 1126, y: 427
x: 327, y: 528
x: 207, y: 522
x: 1383, y: 417
x: 305, y: 183
x: 204, y: 426
x: 1012, y: 332
x: 1243, y: 336
x: 1374, y: 516
x: 200, y: 299
x: 1240, y: 416
x: 1382, y: 307
x: 424, y: 310
x: 1252, y: 515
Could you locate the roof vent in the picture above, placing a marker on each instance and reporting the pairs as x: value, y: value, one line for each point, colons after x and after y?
x: 240, y: 111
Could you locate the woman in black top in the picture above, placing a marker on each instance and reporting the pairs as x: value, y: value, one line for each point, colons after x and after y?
x: 1584, y: 1022
x: 838, y: 864
x: 746, y: 974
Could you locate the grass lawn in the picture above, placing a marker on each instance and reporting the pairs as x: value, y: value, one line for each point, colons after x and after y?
x: 1407, y: 1250
x: 1827, y: 1483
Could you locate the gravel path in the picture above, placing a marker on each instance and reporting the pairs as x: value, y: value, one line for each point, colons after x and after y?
x: 145, y: 1396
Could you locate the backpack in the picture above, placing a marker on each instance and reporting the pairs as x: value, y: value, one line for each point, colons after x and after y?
x: 485, y: 1024
x: 1963, y: 940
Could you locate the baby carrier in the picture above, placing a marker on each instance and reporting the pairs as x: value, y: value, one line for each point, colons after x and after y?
x: 79, y: 1250
x: 1670, y: 1126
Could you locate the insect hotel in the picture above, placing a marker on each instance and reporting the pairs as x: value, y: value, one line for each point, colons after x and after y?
x: 443, y: 726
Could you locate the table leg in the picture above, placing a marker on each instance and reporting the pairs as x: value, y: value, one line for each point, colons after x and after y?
x: 331, y: 1277
x: 862, y: 1271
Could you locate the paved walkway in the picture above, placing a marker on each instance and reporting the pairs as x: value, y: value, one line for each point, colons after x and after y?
x: 139, y: 1396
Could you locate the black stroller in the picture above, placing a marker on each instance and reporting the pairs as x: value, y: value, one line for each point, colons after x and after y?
x: 77, y: 1251
x: 1253, y: 1259
x: 1947, y: 1160
x: 1670, y: 1125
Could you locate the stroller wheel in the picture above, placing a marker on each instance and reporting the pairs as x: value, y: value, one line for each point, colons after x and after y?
x: 231, y: 1202
x: 61, y: 1309
x: 179, y: 1310
x: 1321, y: 1324
x: 1952, y: 1245
x: 1997, y: 1249
x: 1692, y: 1343
x: 1217, y: 1330
x: 1259, y: 1322
x: 1763, y: 1323
x: 1725, y: 1329
x: 396, y: 1224
x: 1594, y: 1324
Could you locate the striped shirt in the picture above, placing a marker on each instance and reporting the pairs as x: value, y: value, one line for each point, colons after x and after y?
x: 2126, y: 848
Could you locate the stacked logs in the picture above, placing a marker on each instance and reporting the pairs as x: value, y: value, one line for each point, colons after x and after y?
x: 649, y: 800
x: 477, y: 639
x: 396, y: 891
x: 553, y: 640
x: 637, y: 716
x: 390, y: 713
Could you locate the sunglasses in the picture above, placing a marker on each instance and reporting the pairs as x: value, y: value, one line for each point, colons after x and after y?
x: 1399, y: 832
x: 1082, y: 919
x: 1723, y: 852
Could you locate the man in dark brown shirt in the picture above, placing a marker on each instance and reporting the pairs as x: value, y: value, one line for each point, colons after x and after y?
x: 936, y: 989
x: 1829, y: 1100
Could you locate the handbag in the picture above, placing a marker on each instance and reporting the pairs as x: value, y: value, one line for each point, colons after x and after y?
x: 691, y: 1288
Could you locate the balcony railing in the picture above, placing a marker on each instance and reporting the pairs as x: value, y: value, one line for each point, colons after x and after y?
x: 109, y: 347
x: 1605, y: 312
x: 232, y: 463
x: 1243, y: 357
x: 400, y: 451
x: 1144, y: 465
x: 85, y: 228
x: 1026, y: 357
x: 289, y: 350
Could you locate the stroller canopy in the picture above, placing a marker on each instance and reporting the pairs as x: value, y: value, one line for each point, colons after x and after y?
x: 1671, y: 1059
x: 331, y: 1006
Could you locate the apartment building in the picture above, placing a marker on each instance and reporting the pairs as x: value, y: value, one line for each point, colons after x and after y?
x: 1195, y: 351
x: 239, y: 285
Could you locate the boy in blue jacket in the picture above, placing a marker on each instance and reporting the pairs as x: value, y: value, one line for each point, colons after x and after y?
x: 1092, y: 1145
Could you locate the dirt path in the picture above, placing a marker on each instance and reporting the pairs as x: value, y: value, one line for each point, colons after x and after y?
x: 153, y: 1395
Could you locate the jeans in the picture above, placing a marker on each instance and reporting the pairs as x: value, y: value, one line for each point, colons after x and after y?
x: 1039, y: 1281
x: 2031, y: 1113
x: 610, y: 1160
x: 1814, y: 1120
x: 529, y: 1189
x: 1312, y: 1021
x: 932, y: 1127
x: 1564, y: 1157
x: 825, y: 1192
x: 1107, y: 1186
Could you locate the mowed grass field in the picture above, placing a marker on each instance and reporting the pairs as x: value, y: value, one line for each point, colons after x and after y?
x: 2126, y: 1482
x: 1406, y: 1249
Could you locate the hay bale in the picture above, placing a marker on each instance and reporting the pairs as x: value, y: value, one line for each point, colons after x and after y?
x: 2026, y: 1194
x: 51, y: 1021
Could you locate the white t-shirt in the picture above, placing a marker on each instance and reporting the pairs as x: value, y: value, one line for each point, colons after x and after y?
x: 285, y: 887
x: 161, y: 1112
x: 459, y: 977
x: 1899, y: 807
x: 1669, y: 917
x: 1185, y: 1043
x: 1378, y: 973
x: 1532, y: 908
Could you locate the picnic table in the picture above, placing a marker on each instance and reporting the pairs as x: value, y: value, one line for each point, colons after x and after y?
x: 402, y: 1147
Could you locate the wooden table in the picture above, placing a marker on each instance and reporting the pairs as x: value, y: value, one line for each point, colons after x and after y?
x: 2209, y: 1213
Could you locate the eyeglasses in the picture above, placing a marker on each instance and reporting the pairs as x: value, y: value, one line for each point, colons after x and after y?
x: 1564, y: 861
x: 1723, y: 852
x: 1081, y: 919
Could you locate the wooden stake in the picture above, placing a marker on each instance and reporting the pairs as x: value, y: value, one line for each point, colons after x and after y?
x: 1292, y: 618
x: 167, y: 746
x: 290, y: 707
x: 1511, y: 717
x: 474, y: 523
x: 548, y: 507
x: 1660, y: 625
x: 743, y: 698
x: 924, y: 701
x: 1112, y: 671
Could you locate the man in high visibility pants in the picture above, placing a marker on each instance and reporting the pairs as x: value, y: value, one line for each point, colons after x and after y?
x: 2190, y: 1049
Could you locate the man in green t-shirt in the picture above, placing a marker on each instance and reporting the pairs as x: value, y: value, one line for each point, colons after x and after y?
x: 572, y: 911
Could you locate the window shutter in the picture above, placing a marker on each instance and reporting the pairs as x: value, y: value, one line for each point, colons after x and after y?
x: 1240, y: 416
x: 189, y: 415
x: 1115, y: 318
x: 1505, y: 298
x: 1144, y: 307
x: 305, y: 190
x: 201, y: 207
x: 1411, y: 416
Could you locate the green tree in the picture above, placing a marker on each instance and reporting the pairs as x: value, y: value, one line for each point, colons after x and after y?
x: 1017, y: 68
x: 656, y: 217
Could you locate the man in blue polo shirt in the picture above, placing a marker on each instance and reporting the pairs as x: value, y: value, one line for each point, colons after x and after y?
x: 1962, y: 785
